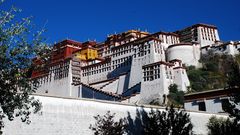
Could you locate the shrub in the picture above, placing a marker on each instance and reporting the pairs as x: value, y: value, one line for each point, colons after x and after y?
x: 1, y: 122
x: 105, y: 125
x: 171, y: 121
x: 222, y: 126
x: 175, y: 96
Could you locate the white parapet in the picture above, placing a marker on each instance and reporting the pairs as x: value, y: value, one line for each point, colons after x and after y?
x: 188, y: 53
x: 69, y: 116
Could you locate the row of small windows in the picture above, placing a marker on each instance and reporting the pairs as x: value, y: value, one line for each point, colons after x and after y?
x: 158, y: 49
x: 151, y: 73
x: 42, y: 80
x: 123, y: 41
x: 97, y: 71
x: 142, y: 47
x: 119, y: 63
x: 168, y: 73
x: 97, y: 67
x: 59, y: 65
x: 61, y: 69
x: 123, y: 48
x: 108, y: 64
x: 208, y: 34
x: 58, y: 72
x: 76, y: 79
x: 76, y: 72
x: 121, y: 60
x: 128, y: 49
x: 125, y: 63
x: 169, y: 39
x: 141, y: 50
x: 140, y: 54
x: 121, y: 53
x: 61, y: 74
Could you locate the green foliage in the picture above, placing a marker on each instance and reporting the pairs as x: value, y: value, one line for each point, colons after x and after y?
x: 198, y: 79
x: 234, y: 76
x: 175, y: 96
x: 171, y: 121
x: 173, y: 88
x: 232, y: 109
x: 1, y: 123
x: 231, y: 127
x: 222, y: 126
x: 218, y: 71
x: 237, y: 58
x: 18, y: 45
x: 105, y: 125
x: 168, y: 122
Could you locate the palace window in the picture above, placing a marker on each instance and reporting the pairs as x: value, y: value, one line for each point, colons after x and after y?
x: 151, y: 73
x: 201, y: 106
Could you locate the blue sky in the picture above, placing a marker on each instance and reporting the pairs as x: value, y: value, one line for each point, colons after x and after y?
x: 83, y: 20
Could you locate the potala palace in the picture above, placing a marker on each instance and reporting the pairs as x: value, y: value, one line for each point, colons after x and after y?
x: 129, y: 67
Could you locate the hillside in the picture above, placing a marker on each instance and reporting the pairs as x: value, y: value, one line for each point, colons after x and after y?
x: 217, y: 71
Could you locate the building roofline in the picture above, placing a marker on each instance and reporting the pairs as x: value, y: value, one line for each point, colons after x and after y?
x: 96, y: 64
x: 204, y: 25
x: 129, y: 31
x: 159, y: 62
x: 197, y: 25
x: 118, y: 103
x: 175, y: 60
x: 180, y: 44
x: 179, y: 67
x: 137, y: 41
x: 166, y: 33
x: 211, y: 94
x: 205, y: 46
x: 69, y: 41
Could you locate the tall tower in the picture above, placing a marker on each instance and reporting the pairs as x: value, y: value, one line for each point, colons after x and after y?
x: 204, y: 34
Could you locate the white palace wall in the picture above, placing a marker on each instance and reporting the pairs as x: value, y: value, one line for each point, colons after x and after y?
x: 69, y: 116
x: 58, y: 82
x: 189, y: 54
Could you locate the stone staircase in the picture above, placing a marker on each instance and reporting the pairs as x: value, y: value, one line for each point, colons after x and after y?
x: 132, y: 95
x: 101, y: 91
x: 111, y: 81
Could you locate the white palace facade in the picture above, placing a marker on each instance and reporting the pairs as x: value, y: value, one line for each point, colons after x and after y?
x: 130, y: 67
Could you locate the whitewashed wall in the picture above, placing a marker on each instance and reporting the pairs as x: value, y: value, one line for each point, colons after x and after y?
x: 205, y: 41
x: 188, y: 54
x: 181, y: 79
x: 59, y: 86
x: 66, y: 116
x: 229, y: 48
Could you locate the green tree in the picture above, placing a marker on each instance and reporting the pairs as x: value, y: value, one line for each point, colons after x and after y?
x: 198, y: 79
x: 218, y: 71
x: 1, y: 123
x: 175, y: 96
x: 106, y: 125
x: 234, y: 82
x: 233, y: 76
x: 171, y: 121
x: 222, y: 126
x: 18, y: 45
